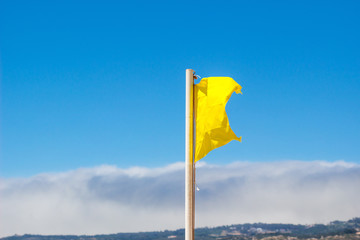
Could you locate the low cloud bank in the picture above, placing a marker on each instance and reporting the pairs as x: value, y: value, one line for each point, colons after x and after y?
x: 107, y: 199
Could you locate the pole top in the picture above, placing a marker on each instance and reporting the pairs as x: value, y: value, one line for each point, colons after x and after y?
x: 193, y: 72
x: 190, y: 71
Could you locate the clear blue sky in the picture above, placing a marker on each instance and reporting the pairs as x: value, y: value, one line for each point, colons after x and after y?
x: 85, y: 83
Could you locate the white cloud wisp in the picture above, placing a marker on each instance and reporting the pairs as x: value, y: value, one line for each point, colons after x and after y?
x: 107, y: 199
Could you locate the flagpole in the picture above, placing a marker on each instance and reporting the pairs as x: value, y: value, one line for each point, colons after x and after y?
x: 189, y: 149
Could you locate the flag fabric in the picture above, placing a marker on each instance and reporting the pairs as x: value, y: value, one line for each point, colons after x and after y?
x: 211, y: 121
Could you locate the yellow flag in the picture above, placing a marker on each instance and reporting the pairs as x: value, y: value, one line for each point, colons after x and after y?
x: 212, y: 124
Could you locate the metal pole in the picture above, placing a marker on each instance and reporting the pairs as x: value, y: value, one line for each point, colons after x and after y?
x: 189, y: 148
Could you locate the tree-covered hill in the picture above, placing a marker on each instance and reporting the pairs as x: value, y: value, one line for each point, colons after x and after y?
x: 335, y: 230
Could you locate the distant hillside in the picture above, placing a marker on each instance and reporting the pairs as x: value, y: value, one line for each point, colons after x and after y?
x: 335, y: 230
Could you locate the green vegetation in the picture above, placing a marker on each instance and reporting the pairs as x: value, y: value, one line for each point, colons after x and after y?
x: 335, y: 230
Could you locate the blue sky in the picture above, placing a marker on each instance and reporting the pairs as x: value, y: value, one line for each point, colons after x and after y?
x: 102, y: 82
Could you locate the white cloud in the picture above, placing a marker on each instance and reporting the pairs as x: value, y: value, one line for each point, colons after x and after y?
x: 107, y: 199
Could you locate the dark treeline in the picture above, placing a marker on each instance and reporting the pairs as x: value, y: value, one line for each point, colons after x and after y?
x: 334, y: 230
